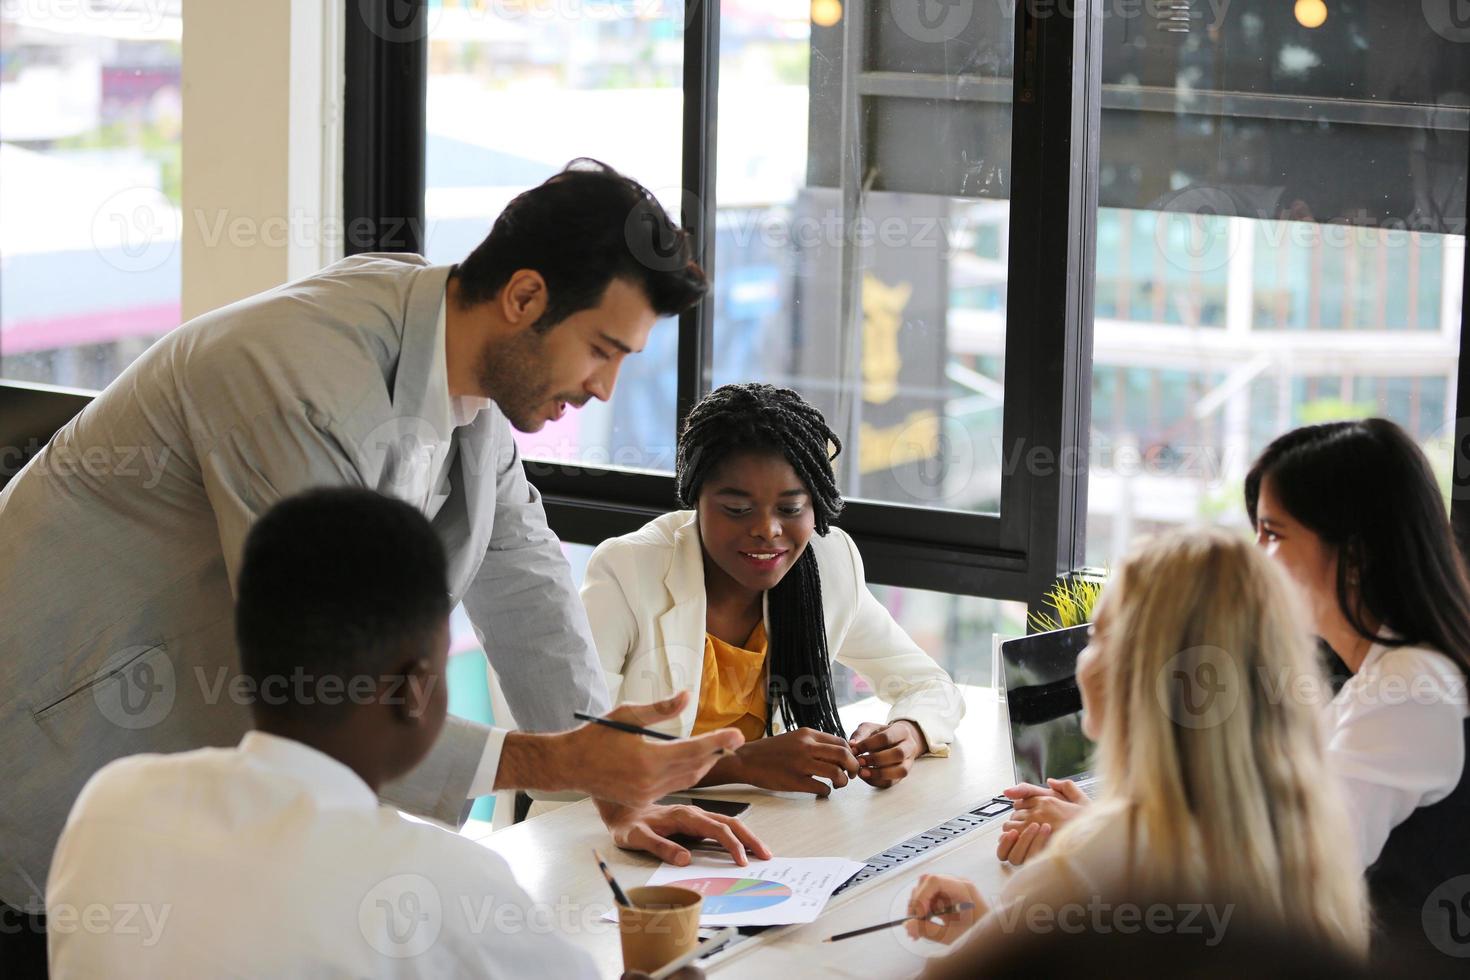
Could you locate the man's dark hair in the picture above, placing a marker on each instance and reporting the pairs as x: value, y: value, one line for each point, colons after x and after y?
x: 761, y: 418
x: 342, y: 583
x: 581, y: 229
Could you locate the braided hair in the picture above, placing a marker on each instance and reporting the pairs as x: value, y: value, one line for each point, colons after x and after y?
x: 754, y: 417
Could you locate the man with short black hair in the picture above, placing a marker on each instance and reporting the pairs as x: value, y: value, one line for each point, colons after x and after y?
x: 273, y: 858
x: 380, y: 371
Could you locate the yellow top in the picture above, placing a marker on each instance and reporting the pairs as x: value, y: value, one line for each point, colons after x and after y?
x: 732, y: 689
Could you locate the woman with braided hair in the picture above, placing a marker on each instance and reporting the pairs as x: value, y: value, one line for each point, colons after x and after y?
x: 743, y: 599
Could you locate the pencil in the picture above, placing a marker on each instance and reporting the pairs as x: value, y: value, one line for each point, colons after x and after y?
x: 961, y: 907
x: 623, y: 726
x: 612, y: 882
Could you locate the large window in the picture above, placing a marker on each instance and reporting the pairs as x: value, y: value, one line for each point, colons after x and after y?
x: 515, y: 91
x: 1054, y: 278
x: 847, y: 171
x: 90, y: 177
x: 1282, y: 242
x: 860, y: 247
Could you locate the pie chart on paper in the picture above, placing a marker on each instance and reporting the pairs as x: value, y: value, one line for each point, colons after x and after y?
x: 734, y: 896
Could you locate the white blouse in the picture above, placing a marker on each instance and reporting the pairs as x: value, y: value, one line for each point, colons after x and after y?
x: 1397, y: 739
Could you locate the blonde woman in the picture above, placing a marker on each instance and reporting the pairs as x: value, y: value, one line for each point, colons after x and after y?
x: 1212, y: 771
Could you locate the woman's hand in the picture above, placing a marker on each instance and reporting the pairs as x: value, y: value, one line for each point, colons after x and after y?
x: 1040, y: 810
x: 886, y: 753
x: 795, y: 761
x: 932, y: 897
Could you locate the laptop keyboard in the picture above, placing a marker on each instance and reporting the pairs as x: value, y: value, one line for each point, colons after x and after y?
x: 958, y: 826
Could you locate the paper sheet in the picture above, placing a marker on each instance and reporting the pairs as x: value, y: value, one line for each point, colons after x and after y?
x: 778, y: 892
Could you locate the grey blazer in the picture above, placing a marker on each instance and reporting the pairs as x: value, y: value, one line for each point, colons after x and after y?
x: 120, y: 540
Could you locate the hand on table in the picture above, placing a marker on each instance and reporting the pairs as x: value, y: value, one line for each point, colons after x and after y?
x: 933, y: 895
x: 886, y: 753
x: 648, y: 829
x: 1040, y: 810
x: 611, y: 765
x: 794, y: 761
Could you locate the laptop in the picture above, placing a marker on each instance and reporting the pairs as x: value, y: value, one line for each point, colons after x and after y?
x: 1043, y: 708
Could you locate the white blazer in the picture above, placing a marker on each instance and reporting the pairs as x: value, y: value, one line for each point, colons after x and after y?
x: 644, y: 594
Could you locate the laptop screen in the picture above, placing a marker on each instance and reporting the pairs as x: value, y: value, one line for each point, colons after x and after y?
x: 1045, y: 706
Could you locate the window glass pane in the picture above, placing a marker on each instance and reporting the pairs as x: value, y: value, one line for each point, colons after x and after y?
x: 517, y: 90
x: 1281, y: 241
x: 90, y: 174
x: 958, y: 631
x: 862, y: 244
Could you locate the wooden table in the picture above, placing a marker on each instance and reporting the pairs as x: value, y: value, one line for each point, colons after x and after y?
x: 552, y: 856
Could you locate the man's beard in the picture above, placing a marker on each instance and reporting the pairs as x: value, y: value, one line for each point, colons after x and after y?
x: 514, y: 374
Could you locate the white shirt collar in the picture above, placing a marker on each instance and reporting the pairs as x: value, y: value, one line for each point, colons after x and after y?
x: 330, y: 783
x: 451, y: 410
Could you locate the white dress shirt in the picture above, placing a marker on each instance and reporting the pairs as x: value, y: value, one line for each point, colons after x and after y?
x: 272, y: 859
x: 1398, y: 738
x: 449, y: 413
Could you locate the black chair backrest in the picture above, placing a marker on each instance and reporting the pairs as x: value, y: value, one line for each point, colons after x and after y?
x: 30, y: 414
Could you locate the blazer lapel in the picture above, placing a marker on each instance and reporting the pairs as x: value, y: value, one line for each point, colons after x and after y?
x: 467, y: 519
x: 681, y: 626
x: 416, y: 351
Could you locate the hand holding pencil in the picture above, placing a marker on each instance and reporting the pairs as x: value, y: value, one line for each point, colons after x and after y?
x: 634, y: 770
x: 959, y: 900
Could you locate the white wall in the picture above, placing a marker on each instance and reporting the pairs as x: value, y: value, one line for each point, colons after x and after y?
x: 262, y: 90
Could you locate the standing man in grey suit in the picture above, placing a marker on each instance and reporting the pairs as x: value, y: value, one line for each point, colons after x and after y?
x: 120, y: 541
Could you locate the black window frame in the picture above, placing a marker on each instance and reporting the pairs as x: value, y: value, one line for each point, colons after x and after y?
x: 1039, y: 534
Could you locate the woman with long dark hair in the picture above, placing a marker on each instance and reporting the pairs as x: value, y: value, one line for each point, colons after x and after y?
x: 1352, y: 510
x: 744, y: 598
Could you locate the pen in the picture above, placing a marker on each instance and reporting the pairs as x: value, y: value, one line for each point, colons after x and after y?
x: 961, y: 907
x: 623, y: 726
x: 611, y: 881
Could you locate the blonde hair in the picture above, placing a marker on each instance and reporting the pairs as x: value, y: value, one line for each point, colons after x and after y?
x: 1229, y: 801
